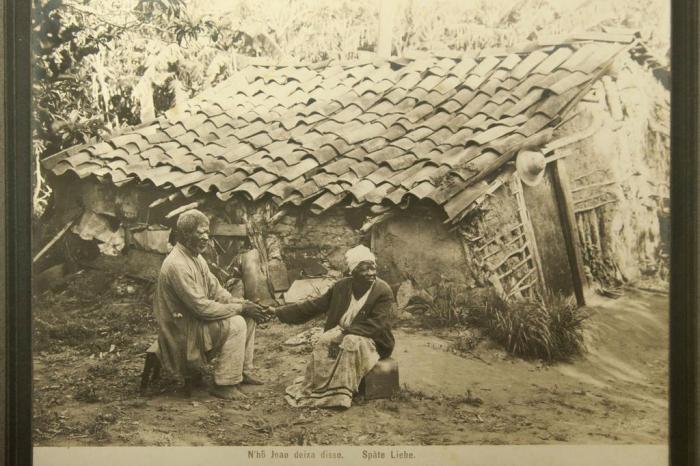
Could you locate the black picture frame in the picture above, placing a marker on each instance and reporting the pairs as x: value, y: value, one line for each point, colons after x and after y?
x: 683, y: 411
x: 17, y: 90
x: 17, y: 214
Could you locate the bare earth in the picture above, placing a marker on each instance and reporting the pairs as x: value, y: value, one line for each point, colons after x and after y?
x: 89, y: 356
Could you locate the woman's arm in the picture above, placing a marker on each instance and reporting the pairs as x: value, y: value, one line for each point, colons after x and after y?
x: 298, y: 313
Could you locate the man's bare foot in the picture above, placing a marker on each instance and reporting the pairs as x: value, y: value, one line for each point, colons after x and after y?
x: 228, y: 392
x: 251, y: 380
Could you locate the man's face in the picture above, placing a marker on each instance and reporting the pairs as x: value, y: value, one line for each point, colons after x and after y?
x: 199, y: 239
x: 365, y: 273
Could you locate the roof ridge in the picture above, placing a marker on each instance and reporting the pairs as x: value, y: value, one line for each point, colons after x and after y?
x: 621, y: 35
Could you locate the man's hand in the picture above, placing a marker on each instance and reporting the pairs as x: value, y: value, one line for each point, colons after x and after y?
x: 253, y: 311
x: 270, y: 312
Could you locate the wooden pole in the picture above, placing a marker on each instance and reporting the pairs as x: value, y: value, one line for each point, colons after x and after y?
x: 387, y: 11
x: 568, y: 221
x: 53, y: 241
x: 186, y: 207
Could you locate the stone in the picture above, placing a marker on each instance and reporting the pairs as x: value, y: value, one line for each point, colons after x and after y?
x: 404, y: 294
x: 278, y: 275
x: 301, y: 290
x: 382, y: 381
x: 309, y: 336
x: 410, y: 299
x: 153, y: 240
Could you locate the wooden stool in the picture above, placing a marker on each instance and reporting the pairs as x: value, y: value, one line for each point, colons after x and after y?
x: 151, y: 373
x: 151, y: 368
x: 382, y: 381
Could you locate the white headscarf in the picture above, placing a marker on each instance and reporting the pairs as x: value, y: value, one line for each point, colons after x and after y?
x: 359, y: 254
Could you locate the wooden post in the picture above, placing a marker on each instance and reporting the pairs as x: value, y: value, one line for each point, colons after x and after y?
x: 568, y: 222
x: 387, y: 10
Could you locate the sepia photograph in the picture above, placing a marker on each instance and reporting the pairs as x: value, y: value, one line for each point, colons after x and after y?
x: 321, y: 223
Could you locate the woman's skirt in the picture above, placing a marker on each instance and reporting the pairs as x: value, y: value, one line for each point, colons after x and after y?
x: 332, y: 382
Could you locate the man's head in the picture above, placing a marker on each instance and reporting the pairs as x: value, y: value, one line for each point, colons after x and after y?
x: 193, y: 230
x: 362, y: 265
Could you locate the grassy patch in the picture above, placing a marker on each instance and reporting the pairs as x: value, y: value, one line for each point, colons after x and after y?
x: 447, y: 306
x: 548, y: 328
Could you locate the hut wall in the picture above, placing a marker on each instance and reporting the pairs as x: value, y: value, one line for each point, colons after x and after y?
x: 498, y: 243
x: 620, y: 177
x: 416, y: 245
x: 324, y: 238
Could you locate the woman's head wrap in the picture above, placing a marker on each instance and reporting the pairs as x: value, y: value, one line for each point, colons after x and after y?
x: 359, y: 254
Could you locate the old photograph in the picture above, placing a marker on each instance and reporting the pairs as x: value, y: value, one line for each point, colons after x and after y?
x: 327, y: 223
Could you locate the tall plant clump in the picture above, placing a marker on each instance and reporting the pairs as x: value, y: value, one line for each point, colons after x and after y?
x: 549, y: 327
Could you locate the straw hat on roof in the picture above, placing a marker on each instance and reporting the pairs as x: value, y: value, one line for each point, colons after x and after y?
x: 530, y: 166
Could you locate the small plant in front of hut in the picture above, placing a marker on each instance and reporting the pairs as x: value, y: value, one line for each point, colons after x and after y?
x: 549, y: 327
x: 451, y: 304
x: 446, y: 305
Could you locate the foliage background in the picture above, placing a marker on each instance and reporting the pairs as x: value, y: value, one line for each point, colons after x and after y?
x: 101, y: 65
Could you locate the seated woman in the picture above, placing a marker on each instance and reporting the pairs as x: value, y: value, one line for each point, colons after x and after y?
x: 356, y: 335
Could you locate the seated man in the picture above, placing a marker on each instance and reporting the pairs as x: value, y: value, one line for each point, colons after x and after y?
x: 198, y: 319
x: 356, y: 334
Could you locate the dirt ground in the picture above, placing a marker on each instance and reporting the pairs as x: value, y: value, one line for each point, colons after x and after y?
x: 88, y: 357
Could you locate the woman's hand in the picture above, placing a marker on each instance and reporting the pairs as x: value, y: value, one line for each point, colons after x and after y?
x: 270, y: 312
x: 253, y: 311
x: 334, y: 348
x: 338, y: 339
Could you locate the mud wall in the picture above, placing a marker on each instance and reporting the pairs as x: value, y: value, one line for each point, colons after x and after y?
x: 322, y: 238
x: 416, y: 245
x: 620, y: 177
